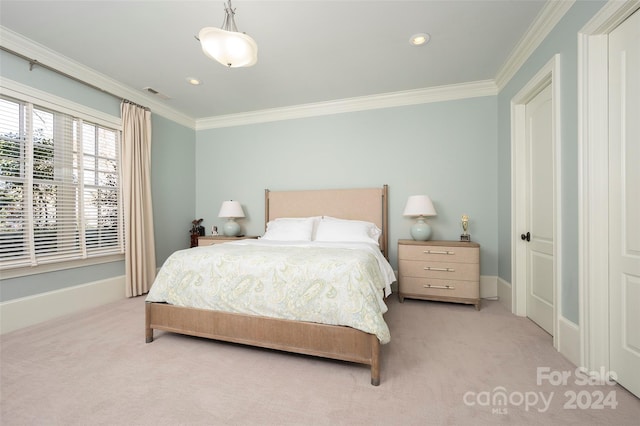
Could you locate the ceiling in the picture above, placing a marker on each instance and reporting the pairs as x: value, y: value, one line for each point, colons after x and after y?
x: 309, y: 51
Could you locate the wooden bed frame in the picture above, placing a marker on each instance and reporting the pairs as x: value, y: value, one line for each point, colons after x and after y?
x: 328, y: 341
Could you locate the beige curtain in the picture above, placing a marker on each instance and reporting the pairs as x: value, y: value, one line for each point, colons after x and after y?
x: 138, y: 216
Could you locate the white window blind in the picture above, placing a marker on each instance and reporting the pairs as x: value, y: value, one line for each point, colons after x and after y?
x: 60, y: 193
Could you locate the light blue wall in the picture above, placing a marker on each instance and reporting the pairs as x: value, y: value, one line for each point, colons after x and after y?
x: 173, y: 186
x: 17, y: 69
x: 172, y: 176
x: 447, y: 150
x: 563, y: 40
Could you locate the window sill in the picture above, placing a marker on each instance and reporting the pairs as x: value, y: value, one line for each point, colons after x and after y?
x: 59, y: 266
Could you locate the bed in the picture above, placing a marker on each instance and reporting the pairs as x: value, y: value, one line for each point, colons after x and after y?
x: 352, y: 343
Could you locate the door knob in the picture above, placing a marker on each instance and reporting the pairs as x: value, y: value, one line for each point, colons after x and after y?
x: 525, y: 237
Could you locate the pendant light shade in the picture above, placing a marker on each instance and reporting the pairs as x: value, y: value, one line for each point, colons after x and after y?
x: 227, y: 45
x: 230, y: 48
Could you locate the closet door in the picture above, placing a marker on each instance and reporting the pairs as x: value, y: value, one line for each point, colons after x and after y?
x: 624, y: 202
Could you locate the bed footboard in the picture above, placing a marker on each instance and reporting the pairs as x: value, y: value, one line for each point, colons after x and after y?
x: 328, y: 341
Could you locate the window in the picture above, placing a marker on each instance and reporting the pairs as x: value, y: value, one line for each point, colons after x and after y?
x: 60, y: 197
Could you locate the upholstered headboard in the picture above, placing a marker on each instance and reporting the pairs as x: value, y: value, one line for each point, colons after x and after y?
x: 370, y: 204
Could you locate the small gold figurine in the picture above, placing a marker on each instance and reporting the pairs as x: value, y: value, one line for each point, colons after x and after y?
x: 465, y: 227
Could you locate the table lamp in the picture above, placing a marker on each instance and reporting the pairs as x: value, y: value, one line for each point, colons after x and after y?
x: 231, y: 210
x: 420, y: 206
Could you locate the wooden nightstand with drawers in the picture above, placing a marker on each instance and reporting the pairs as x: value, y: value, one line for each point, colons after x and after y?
x: 210, y: 240
x: 447, y: 271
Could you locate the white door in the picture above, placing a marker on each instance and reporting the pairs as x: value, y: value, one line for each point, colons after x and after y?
x: 539, y: 235
x: 624, y: 203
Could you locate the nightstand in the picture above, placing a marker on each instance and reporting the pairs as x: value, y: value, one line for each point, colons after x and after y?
x: 210, y: 240
x: 447, y: 271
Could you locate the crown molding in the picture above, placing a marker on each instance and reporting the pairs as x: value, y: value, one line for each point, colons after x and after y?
x: 610, y: 16
x: 544, y: 23
x: 363, y: 103
x: 24, y: 46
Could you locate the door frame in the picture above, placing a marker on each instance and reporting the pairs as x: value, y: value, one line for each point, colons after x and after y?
x: 548, y: 75
x: 593, y: 181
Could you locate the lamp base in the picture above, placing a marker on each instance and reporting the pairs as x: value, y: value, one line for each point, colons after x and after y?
x: 231, y: 228
x: 421, y: 230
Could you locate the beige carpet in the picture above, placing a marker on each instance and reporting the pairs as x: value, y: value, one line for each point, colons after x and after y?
x: 447, y: 364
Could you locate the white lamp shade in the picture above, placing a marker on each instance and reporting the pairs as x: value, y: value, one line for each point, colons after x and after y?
x: 231, y: 209
x: 230, y: 48
x: 419, y: 205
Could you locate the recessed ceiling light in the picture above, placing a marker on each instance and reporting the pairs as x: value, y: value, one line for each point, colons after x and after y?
x: 193, y: 81
x: 419, y: 39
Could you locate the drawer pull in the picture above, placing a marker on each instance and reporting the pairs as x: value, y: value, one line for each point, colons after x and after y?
x: 431, y: 268
x: 444, y: 287
x: 438, y: 252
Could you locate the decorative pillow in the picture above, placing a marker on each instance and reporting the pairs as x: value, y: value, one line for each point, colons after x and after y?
x: 290, y: 229
x: 343, y: 230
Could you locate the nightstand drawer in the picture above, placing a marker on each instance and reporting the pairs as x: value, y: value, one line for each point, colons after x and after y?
x: 457, y: 271
x: 439, y: 253
x: 439, y: 288
x: 219, y: 239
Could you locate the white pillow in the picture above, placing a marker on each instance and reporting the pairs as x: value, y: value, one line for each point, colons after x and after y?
x: 372, y: 229
x: 290, y: 229
x: 342, y: 230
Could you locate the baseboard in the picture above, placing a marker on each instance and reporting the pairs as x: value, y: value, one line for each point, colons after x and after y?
x: 569, y: 340
x: 19, y: 313
x: 488, y: 286
x: 504, y: 294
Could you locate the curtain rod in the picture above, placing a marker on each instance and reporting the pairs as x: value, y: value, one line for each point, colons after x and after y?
x: 127, y: 101
x: 35, y: 62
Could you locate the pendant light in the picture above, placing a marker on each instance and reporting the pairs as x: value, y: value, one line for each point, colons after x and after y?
x: 227, y: 45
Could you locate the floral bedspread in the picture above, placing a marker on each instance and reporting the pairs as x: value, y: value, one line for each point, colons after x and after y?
x: 329, y: 285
